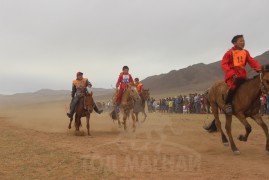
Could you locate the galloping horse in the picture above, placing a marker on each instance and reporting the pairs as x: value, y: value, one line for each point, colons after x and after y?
x: 129, y: 97
x: 140, y: 105
x: 84, y: 108
x: 246, y: 103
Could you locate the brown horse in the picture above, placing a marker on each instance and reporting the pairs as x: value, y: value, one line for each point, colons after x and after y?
x: 140, y: 105
x: 84, y: 108
x: 246, y: 103
x: 129, y: 97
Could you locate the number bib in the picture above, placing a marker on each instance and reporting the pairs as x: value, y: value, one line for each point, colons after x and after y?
x: 239, y: 58
x: 126, y: 79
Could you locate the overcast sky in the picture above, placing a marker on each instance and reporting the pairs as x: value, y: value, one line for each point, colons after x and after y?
x: 43, y: 43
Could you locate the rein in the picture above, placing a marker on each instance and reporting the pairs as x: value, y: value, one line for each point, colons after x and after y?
x: 263, y: 87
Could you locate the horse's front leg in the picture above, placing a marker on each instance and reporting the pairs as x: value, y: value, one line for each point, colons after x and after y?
x: 70, y: 126
x: 134, y: 121
x: 88, y: 116
x: 77, y: 122
x: 118, y: 118
x: 124, y: 120
x: 258, y: 119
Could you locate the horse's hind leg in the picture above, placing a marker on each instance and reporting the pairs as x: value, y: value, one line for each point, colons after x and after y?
x: 145, y: 116
x: 258, y: 120
x: 218, y: 124
x: 136, y: 116
x: 124, y: 121
x: 244, y: 121
x: 229, y: 133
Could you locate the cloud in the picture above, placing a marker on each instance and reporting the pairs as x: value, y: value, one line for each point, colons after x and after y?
x: 52, y: 40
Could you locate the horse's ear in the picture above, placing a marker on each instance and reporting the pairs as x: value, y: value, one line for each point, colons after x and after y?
x: 265, y: 68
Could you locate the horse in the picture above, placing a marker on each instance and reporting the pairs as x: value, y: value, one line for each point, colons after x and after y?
x: 129, y: 97
x: 246, y: 103
x: 140, y: 105
x: 84, y: 108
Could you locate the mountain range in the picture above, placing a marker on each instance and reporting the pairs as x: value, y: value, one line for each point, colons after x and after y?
x: 195, y: 78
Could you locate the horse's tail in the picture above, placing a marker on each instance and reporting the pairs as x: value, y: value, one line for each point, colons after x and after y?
x: 113, y: 115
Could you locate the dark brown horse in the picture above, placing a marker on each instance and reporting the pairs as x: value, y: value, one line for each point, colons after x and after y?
x: 246, y: 103
x: 84, y: 108
x: 140, y: 105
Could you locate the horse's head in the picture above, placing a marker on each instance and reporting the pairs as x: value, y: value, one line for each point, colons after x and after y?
x: 133, y: 92
x: 265, y: 79
x: 146, y: 94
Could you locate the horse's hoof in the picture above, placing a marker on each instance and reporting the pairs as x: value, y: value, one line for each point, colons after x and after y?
x: 226, y: 144
x: 69, y: 127
x: 237, y: 152
x: 242, y: 138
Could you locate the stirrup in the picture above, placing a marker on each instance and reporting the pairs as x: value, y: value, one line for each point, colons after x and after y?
x: 117, y: 108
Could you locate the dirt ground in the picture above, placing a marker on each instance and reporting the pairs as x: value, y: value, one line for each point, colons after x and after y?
x: 36, y: 144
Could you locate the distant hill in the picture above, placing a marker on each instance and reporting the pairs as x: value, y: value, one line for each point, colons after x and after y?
x: 48, y: 95
x: 195, y: 78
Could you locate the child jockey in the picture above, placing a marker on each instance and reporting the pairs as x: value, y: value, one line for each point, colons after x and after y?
x: 124, y: 79
x: 233, y: 64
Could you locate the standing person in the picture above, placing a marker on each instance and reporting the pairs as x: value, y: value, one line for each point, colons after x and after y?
x: 267, y: 100
x: 171, y: 105
x: 160, y: 108
x: 177, y: 104
x: 155, y: 105
x: 262, y: 105
x: 123, y: 81
x: 197, y: 103
x: 181, y: 103
x: 163, y: 105
x: 149, y: 106
x: 265, y: 104
x: 167, y: 105
x: 191, y: 104
x: 79, y: 88
x: 233, y: 65
x: 204, y: 102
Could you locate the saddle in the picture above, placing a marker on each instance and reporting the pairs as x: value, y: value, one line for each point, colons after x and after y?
x: 238, y: 82
x: 88, y: 101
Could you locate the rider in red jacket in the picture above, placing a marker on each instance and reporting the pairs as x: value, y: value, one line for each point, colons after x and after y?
x: 124, y: 79
x: 233, y: 65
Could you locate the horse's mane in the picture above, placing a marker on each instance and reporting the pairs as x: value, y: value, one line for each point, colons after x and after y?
x: 254, y: 77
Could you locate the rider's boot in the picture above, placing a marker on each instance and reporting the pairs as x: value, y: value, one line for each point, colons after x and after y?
x: 229, y: 100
